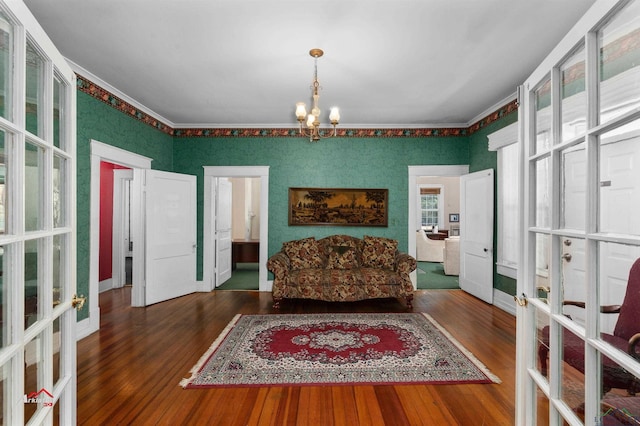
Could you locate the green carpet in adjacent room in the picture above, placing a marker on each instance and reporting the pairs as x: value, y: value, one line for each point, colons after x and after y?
x: 431, y: 276
x: 244, y: 277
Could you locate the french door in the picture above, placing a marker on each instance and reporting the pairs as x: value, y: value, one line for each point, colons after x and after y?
x: 37, y: 224
x: 580, y: 123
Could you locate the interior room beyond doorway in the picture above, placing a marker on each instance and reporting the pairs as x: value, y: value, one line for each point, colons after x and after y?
x: 245, y: 234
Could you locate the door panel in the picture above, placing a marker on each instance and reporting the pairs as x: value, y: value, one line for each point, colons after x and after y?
x: 37, y: 193
x: 170, y: 235
x: 476, y: 230
x: 223, y: 231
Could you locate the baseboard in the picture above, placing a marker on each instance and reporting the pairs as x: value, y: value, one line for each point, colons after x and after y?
x: 504, y: 301
x: 202, y: 288
x: 105, y: 285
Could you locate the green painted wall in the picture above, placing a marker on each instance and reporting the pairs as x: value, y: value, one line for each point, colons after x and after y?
x: 482, y: 159
x: 99, y: 121
x: 336, y: 162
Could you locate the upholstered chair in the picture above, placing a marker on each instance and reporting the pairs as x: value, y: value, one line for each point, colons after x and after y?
x: 428, y: 250
x: 452, y: 256
x: 625, y: 337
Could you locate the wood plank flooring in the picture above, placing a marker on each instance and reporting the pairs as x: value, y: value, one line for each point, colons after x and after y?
x: 129, y: 371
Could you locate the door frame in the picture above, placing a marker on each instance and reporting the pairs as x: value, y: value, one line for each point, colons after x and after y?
x: 102, y: 152
x: 414, y: 173
x: 208, y: 249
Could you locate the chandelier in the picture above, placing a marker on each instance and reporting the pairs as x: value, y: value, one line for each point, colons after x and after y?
x: 313, y: 119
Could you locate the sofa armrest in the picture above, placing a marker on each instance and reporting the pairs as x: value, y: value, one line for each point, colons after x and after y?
x: 405, y: 264
x: 279, y: 264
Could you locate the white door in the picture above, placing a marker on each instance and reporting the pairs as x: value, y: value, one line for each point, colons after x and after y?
x: 476, y: 234
x: 170, y: 235
x: 37, y: 225
x: 223, y: 230
x: 580, y: 152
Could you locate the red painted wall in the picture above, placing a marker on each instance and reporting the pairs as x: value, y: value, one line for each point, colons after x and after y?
x: 106, y: 219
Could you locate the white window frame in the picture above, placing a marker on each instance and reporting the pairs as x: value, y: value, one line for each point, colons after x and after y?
x: 440, y: 203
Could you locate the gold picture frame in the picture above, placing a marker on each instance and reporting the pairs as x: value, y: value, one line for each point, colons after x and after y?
x: 338, y: 207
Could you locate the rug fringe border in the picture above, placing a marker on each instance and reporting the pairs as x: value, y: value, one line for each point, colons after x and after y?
x: 465, y: 351
x: 204, y: 358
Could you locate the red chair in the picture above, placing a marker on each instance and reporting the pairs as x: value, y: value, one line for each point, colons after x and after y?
x: 626, y: 336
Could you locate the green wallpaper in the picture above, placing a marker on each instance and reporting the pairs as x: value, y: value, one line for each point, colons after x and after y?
x: 98, y: 121
x: 482, y: 159
x: 336, y: 162
x: 294, y: 162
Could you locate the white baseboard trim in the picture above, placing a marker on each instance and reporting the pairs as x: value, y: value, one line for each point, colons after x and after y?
x: 105, y: 285
x: 504, y: 301
x: 202, y: 288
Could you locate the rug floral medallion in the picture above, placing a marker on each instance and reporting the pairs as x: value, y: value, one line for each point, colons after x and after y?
x: 314, y: 349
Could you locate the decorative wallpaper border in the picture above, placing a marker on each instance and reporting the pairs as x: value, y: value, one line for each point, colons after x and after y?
x: 86, y: 86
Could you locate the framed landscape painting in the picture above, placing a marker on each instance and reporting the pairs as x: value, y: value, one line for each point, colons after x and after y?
x: 338, y: 207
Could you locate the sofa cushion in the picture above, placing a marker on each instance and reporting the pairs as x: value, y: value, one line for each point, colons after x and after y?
x: 304, y: 254
x: 342, y: 257
x: 379, y: 252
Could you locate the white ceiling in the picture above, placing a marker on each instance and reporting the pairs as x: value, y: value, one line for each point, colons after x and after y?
x: 244, y: 63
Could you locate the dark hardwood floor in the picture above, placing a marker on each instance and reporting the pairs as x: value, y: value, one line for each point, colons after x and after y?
x: 129, y: 371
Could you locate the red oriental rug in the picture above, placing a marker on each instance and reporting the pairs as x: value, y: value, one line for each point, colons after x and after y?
x: 319, y: 349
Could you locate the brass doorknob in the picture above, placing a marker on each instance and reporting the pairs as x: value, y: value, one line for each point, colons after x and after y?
x: 567, y: 257
x: 78, y: 301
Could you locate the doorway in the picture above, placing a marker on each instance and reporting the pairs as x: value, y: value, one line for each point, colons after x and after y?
x: 437, y: 219
x: 417, y: 177
x: 102, y: 152
x: 256, y: 229
x: 245, y: 234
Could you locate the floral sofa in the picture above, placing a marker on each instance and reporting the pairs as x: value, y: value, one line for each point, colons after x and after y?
x: 341, y: 268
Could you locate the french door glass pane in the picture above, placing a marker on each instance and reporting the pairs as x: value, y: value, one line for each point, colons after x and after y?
x: 34, y: 80
x: 542, y: 107
x: 542, y: 340
x: 6, y: 69
x: 573, y: 188
x: 4, y: 167
x: 34, y: 388
x: 5, y: 373
x: 542, y: 261
x: 571, y: 378
x: 573, y: 278
x: 58, y: 103
x: 59, y: 259
x: 617, y: 406
x: 59, y: 195
x: 614, y: 264
x: 574, y: 101
x: 33, y: 188
x: 57, y: 367
x: 32, y: 277
x: 542, y: 193
x: 620, y: 180
x: 619, y: 63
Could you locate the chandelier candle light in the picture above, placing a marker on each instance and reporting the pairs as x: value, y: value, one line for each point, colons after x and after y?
x: 313, y: 119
